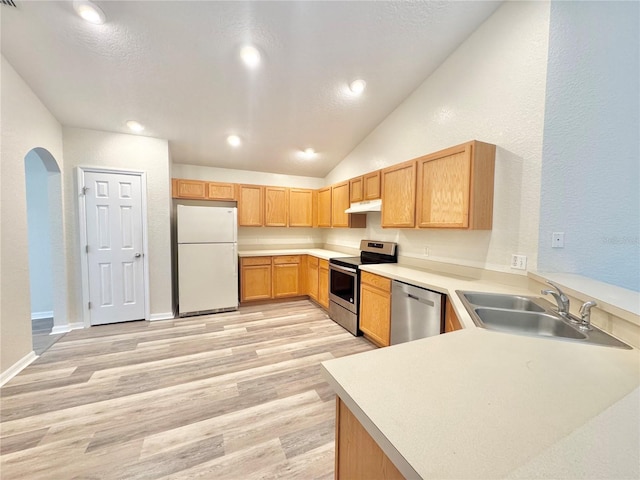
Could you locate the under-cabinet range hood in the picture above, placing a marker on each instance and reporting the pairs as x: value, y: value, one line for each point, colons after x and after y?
x: 366, y: 206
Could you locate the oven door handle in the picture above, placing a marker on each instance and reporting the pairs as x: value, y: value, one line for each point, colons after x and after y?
x: 344, y: 269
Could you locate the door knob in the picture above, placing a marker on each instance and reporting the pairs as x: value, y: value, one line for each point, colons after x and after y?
x: 138, y: 255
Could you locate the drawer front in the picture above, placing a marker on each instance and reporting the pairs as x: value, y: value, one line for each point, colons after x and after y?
x: 256, y: 261
x: 286, y: 259
x: 382, y: 283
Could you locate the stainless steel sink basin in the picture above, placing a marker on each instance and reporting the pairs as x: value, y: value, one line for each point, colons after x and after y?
x: 526, y: 315
x: 531, y: 323
x: 497, y: 300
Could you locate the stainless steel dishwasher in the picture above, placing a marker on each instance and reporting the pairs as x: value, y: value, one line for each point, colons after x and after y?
x: 415, y: 313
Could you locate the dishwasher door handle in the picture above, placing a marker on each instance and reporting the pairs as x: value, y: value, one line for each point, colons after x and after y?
x: 421, y: 300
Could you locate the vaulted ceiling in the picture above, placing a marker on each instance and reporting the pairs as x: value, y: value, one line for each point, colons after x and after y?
x: 174, y: 66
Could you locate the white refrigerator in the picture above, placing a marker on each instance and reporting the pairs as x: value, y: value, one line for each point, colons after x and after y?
x: 207, y: 259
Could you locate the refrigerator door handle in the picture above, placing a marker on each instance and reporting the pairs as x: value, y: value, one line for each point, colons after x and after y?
x: 234, y: 258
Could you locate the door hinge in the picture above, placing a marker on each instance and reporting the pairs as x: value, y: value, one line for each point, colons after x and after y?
x: 89, y: 305
x: 84, y: 190
x: 86, y: 248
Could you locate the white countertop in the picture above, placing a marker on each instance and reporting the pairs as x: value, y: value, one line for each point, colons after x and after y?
x: 316, y: 252
x: 483, y: 404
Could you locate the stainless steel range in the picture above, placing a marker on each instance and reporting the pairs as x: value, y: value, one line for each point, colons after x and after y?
x: 344, y: 281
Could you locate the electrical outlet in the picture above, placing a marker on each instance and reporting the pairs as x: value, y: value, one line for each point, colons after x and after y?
x: 557, y: 240
x: 519, y: 262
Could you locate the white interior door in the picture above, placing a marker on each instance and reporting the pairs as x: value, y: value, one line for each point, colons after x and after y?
x: 113, y: 205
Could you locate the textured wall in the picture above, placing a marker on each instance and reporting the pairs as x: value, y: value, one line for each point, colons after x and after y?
x: 591, y: 156
x: 115, y: 150
x: 490, y: 89
x: 26, y: 124
x: 40, y: 266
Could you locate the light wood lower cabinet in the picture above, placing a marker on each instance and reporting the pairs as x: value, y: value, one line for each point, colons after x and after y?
x: 255, y: 279
x: 323, y: 283
x: 312, y: 277
x: 358, y: 456
x: 375, y: 308
x: 286, y: 276
x: 451, y: 321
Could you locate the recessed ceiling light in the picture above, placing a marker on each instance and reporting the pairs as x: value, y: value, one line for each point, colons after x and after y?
x: 357, y: 86
x: 89, y: 11
x: 250, y: 55
x: 308, y: 153
x: 234, y: 140
x: 134, y: 126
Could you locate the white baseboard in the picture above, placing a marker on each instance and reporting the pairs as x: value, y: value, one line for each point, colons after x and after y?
x: 40, y: 315
x: 17, y: 367
x: 161, y: 316
x: 57, y: 329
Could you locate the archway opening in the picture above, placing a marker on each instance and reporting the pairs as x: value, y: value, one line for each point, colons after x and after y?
x: 44, y: 219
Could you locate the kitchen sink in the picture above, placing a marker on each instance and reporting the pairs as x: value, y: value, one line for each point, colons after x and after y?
x: 533, y: 323
x: 533, y: 316
x: 510, y: 302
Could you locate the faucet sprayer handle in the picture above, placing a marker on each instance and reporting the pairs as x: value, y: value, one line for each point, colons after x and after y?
x: 585, y: 314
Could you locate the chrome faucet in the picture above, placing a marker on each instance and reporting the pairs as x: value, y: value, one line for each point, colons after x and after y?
x: 561, y: 299
x: 585, y: 315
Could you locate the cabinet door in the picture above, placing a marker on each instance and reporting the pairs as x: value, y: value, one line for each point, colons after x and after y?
x: 194, y: 189
x: 375, y: 314
x: 339, y: 203
x: 371, y: 185
x: 451, y: 321
x: 356, y: 189
x: 276, y: 206
x: 399, y: 195
x: 323, y: 283
x: 250, y: 206
x: 300, y: 207
x: 357, y: 453
x: 312, y: 277
x: 255, y: 282
x: 443, y: 189
x: 221, y: 191
x: 286, y: 280
x: 324, y: 207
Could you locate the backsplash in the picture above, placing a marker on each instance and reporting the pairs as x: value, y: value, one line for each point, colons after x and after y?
x: 255, y: 238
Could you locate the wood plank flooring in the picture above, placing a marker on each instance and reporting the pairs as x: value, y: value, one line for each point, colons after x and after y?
x: 236, y: 395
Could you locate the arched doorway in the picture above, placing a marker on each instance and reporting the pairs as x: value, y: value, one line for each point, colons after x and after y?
x: 46, y: 258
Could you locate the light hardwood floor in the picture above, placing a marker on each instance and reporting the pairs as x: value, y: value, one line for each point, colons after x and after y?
x: 230, y: 396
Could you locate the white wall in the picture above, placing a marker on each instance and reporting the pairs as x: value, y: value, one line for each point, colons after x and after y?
x: 26, y: 124
x: 591, y: 169
x: 40, y: 265
x: 492, y: 88
x: 114, y: 150
x: 196, y: 172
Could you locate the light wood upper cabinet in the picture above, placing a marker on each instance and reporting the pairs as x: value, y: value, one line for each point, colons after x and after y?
x: 371, y: 182
x: 375, y: 308
x: 300, y: 207
x: 339, y: 203
x: 399, y: 195
x: 250, y: 205
x: 323, y: 283
x: 356, y: 188
x: 192, y: 189
x: 221, y: 191
x: 286, y: 276
x: 324, y: 207
x: 255, y: 278
x: 455, y: 187
x: 276, y: 200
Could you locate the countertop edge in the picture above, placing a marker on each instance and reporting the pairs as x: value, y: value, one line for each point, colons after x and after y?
x: 387, y: 447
